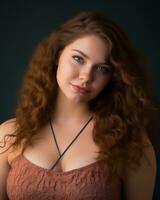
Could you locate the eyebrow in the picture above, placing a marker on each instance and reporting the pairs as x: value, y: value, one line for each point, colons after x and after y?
x: 86, y: 56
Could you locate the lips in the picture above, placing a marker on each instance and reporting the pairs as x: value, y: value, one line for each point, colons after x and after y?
x: 79, y: 89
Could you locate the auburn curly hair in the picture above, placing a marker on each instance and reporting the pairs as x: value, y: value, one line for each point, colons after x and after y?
x: 122, y: 111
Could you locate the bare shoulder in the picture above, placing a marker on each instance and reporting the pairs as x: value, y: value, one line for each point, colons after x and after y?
x: 149, y: 153
x: 139, y: 184
x: 7, y: 128
x: 8, y: 125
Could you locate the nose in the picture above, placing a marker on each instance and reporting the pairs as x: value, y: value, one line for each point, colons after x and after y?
x: 86, y: 75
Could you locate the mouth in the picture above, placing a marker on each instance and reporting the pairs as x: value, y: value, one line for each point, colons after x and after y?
x: 79, y: 89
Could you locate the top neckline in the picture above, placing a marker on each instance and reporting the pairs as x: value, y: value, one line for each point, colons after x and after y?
x: 79, y: 169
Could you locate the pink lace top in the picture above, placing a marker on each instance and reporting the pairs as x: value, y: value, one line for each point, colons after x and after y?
x: 27, y: 181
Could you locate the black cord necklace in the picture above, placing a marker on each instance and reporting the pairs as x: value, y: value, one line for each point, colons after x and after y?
x: 70, y: 143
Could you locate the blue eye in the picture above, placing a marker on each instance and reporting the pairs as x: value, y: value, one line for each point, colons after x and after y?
x: 103, y: 69
x: 78, y: 59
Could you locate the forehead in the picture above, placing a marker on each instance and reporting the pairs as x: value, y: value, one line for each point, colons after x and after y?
x: 93, y: 46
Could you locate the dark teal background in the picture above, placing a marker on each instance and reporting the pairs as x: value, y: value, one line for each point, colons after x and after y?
x: 24, y: 23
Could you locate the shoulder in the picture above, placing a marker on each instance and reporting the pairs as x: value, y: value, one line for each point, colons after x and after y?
x: 139, y: 183
x: 7, y: 128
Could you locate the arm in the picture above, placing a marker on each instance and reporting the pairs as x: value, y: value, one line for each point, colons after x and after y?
x: 139, y: 184
x: 5, y: 128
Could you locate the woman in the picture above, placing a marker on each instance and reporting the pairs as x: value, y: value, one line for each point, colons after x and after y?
x: 82, y: 121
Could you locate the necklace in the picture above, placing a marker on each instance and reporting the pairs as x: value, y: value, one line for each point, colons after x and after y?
x: 70, y: 143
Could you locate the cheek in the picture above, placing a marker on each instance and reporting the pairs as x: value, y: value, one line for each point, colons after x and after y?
x: 101, y: 85
x: 66, y: 70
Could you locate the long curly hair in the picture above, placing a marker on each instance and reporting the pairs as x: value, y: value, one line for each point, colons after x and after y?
x: 122, y: 111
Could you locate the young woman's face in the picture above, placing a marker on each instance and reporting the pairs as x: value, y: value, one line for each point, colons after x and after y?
x: 82, y: 69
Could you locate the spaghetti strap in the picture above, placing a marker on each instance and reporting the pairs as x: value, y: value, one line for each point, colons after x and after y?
x: 69, y: 144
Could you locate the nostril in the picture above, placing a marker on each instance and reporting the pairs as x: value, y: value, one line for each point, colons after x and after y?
x: 86, y: 78
x: 87, y: 75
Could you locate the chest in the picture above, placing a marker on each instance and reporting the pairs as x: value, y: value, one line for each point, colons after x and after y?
x: 70, y: 154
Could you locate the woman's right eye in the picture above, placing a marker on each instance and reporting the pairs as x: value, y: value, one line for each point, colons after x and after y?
x: 78, y: 59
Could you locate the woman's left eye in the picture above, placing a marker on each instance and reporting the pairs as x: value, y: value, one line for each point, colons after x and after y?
x: 103, y: 69
x: 79, y: 59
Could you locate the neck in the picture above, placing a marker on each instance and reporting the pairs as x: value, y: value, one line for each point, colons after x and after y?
x: 69, y: 111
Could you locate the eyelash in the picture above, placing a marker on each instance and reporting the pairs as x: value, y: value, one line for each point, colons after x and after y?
x: 101, y: 69
x: 81, y: 61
